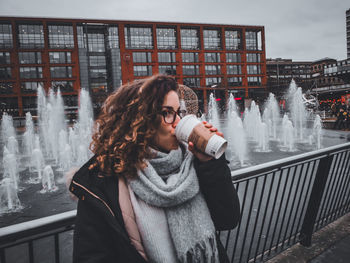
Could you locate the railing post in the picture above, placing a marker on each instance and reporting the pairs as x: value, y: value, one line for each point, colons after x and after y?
x: 315, y: 200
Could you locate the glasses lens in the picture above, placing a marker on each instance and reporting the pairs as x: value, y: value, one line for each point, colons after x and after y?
x: 169, y: 116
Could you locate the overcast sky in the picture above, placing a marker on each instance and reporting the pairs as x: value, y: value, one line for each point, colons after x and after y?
x: 302, y: 30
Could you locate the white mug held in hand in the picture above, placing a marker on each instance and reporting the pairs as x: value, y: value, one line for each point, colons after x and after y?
x: 190, y: 129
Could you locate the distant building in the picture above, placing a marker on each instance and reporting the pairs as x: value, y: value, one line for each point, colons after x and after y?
x: 348, y: 32
x: 100, y: 55
x: 280, y: 73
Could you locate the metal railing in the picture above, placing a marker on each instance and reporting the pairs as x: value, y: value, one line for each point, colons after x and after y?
x: 282, y: 202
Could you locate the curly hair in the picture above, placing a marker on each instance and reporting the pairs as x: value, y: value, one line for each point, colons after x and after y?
x: 127, y: 124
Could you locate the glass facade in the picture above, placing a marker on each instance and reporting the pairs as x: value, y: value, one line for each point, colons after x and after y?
x: 30, y: 86
x: 211, y: 39
x: 233, y: 39
x: 31, y: 36
x: 191, y: 57
x: 5, y: 73
x: 211, y: 82
x: 253, y: 69
x: 167, y: 69
x: 254, y: 81
x: 5, y: 58
x: 140, y: 71
x: 166, y: 38
x: 234, y: 69
x: 31, y: 72
x: 96, y: 42
x: 61, y: 36
x: 190, y: 69
x: 253, y: 57
x: 61, y: 72
x: 60, y: 57
x: 6, y: 88
x: 234, y: 81
x: 142, y: 57
x: 97, y: 61
x: 253, y: 40
x: 166, y: 57
x: 212, y: 69
x: 233, y: 57
x: 29, y: 57
x: 113, y: 37
x: 189, y: 39
x: 138, y: 37
x: 6, y: 36
x: 192, y: 82
x: 212, y: 57
x: 64, y: 86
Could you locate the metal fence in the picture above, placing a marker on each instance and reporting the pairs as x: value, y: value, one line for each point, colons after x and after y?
x: 282, y: 203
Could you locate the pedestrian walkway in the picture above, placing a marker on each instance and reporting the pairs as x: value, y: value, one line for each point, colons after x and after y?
x: 329, y: 245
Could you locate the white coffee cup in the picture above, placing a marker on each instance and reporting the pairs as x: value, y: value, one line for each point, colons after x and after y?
x: 191, y: 129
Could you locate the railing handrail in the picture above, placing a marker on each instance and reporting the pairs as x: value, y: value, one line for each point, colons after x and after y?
x: 269, y: 166
x: 37, y: 226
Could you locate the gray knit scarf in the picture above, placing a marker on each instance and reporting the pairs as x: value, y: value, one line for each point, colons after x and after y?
x: 171, y: 213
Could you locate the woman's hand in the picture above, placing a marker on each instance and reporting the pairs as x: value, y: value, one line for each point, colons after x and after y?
x: 200, y: 155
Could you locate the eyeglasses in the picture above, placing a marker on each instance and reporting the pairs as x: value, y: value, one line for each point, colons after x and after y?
x: 169, y: 115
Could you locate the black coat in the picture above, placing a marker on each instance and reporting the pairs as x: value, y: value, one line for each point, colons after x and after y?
x: 100, y: 234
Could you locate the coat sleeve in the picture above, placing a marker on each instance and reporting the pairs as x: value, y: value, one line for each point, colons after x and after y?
x: 221, y: 196
x: 92, y: 239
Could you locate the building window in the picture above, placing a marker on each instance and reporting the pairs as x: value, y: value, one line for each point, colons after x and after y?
x: 96, y: 42
x: 97, y: 61
x: 31, y: 36
x: 61, y: 36
x: 166, y: 57
x: 212, y: 69
x: 31, y: 72
x: 212, y: 57
x: 60, y: 57
x: 64, y: 86
x: 167, y: 69
x: 5, y: 73
x: 166, y: 38
x: 113, y: 37
x: 29, y: 57
x: 6, y: 88
x: 210, y: 82
x: 5, y: 36
x: 254, y: 81
x: 192, y: 82
x: 9, y: 105
x: 81, y: 37
x: 190, y: 70
x: 253, y: 69
x: 30, y: 86
x: 61, y: 72
x: 140, y: 71
x: 98, y: 74
x: 138, y: 37
x: 234, y: 69
x: 234, y: 81
x: 233, y: 39
x: 253, y: 57
x: 142, y: 57
x: 233, y: 57
x: 212, y: 39
x: 253, y: 40
x: 190, y: 57
x: 5, y: 58
x: 189, y: 39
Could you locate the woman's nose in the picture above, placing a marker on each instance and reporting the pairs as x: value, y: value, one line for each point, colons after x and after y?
x: 176, y: 121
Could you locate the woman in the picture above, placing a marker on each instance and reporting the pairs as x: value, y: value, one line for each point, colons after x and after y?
x: 144, y: 197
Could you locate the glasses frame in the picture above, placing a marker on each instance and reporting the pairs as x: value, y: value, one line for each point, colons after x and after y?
x: 179, y: 112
